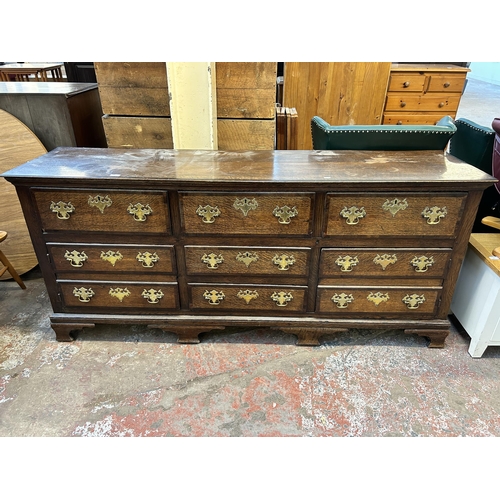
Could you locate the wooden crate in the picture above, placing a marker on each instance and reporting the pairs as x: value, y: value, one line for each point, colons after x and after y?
x: 246, y: 99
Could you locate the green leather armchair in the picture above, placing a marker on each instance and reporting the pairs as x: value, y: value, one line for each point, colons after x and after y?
x: 473, y: 143
x: 382, y: 137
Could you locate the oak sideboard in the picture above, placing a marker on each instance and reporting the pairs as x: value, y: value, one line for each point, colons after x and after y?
x: 307, y: 242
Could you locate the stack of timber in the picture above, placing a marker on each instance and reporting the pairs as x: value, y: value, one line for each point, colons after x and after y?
x: 135, y: 103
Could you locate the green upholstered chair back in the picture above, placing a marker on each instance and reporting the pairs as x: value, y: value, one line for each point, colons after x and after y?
x: 382, y: 137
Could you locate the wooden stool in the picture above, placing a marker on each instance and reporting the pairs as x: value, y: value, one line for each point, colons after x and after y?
x: 8, y: 265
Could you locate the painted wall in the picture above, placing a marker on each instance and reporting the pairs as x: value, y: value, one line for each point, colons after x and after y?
x: 485, y: 71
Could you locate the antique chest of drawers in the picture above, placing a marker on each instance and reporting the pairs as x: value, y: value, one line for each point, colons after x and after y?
x: 421, y: 94
x: 308, y: 242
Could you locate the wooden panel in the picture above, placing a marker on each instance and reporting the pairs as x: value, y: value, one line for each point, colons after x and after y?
x: 135, y: 101
x: 131, y: 74
x: 18, y: 144
x: 137, y: 132
x: 246, y: 90
x: 340, y: 93
x: 245, y: 134
x: 446, y: 82
x: 408, y: 82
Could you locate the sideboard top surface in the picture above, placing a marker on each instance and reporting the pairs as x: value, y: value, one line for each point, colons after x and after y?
x: 306, y: 167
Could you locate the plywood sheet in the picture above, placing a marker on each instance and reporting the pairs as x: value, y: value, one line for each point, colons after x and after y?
x: 18, y: 144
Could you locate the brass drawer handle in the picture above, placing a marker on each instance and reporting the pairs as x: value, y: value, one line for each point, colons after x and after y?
x: 285, y: 213
x: 384, y: 260
x: 247, y: 257
x: 212, y: 260
x: 75, y: 258
x: 119, y: 293
x: 395, y: 205
x: 247, y: 295
x: 83, y: 294
x: 111, y: 257
x: 413, y: 301
x: 139, y: 211
x: 208, y: 213
x: 245, y: 205
x: 434, y: 214
x: 62, y: 209
x: 147, y: 259
x: 378, y: 297
x: 353, y: 214
x: 214, y: 297
x: 422, y: 264
x: 283, y: 261
x: 152, y: 296
x: 282, y: 298
x: 342, y: 300
x: 101, y: 202
x: 347, y: 263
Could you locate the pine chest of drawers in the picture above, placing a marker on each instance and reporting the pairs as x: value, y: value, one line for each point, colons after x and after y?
x: 308, y: 242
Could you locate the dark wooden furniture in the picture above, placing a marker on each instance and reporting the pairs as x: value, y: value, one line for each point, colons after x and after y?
x: 24, y: 72
x: 59, y: 114
x: 308, y: 242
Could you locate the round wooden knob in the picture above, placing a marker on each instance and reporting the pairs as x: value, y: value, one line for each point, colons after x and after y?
x: 406, y: 84
x: 403, y: 104
x: 446, y: 85
x: 399, y: 122
x: 441, y: 104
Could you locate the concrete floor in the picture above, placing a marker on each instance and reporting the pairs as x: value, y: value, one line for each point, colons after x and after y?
x: 131, y: 381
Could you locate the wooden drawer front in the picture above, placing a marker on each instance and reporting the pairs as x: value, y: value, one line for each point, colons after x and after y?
x: 390, y: 262
x: 112, y: 258
x: 143, y: 297
x: 218, y: 297
x: 377, y: 301
x: 446, y: 83
x: 412, y: 119
x: 427, y: 102
x: 406, y: 82
x: 103, y: 211
x: 247, y: 213
x: 433, y: 214
x: 247, y: 260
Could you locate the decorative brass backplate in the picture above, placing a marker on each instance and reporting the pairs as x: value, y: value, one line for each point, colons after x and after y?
x: 152, y: 296
x: 414, y: 300
x: 384, y: 260
x: 83, y: 294
x: 434, y: 214
x: 282, y: 298
x: 283, y: 261
x: 422, y: 264
x: 76, y: 258
x: 62, y: 209
x: 285, y: 214
x: 247, y: 295
x: 139, y: 211
x: 214, y: 297
x: 147, y: 259
x: 101, y: 202
x: 208, y: 213
x: 111, y: 257
x: 247, y: 257
x: 212, y: 260
x: 378, y: 297
x: 353, y: 214
x: 395, y: 205
x: 342, y: 300
x: 245, y: 205
x: 347, y: 263
x: 119, y: 293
